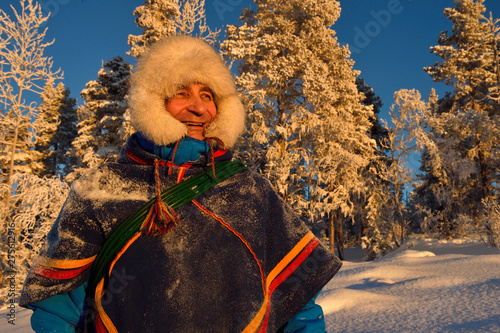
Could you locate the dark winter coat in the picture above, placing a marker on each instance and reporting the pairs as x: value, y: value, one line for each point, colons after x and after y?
x: 239, y: 260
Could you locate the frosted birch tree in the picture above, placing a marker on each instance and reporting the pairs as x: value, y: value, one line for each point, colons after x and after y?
x: 307, y: 129
x: 192, y: 21
x: 38, y: 201
x: 23, y: 72
x: 404, y: 136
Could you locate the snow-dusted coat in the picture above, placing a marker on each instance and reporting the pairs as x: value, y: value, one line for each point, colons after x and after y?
x: 239, y: 260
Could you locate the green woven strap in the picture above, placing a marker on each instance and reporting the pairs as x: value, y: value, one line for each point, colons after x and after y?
x: 175, y: 197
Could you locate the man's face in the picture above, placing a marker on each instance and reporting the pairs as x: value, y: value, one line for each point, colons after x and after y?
x: 194, y: 106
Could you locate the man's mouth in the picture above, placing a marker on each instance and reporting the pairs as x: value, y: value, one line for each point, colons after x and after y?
x: 188, y: 123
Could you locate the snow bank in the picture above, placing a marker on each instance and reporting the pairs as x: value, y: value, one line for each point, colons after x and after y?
x: 428, y: 286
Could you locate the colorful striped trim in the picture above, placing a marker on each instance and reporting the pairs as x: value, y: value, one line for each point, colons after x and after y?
x: 61, y: 269
x: 279, y: 274
x: 62, y: 263
x: 104, y: 324
x: 286, y: 273
x: 180, y: 174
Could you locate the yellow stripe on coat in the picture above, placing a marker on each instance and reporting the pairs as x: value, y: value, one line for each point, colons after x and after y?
x: 64, y: 264
x: 257, y: 320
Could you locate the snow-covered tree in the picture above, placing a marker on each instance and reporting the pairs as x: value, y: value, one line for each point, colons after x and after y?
x: 307, y: 129
x: 157, y: 19
x: 403, y: 138
x: 465, y: 122
x: 491, y: 221
x: 45, y: 125
x: 470, y: 58
x: 38, y: 201
x: 160, y: 18
x: 369, y: 205
x: 64, y: 136
x: 55, y: 129
x: 23, y: 71
x: 192, y: 21
x: 101, y: 117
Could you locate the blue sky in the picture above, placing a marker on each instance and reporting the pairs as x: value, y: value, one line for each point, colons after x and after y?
x: 389, y: 39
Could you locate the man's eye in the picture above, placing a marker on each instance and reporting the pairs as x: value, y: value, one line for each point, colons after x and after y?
x: 181, y: 94
x: 207, y: 97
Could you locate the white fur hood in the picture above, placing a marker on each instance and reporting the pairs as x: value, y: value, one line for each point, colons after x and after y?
x: 170, y: 64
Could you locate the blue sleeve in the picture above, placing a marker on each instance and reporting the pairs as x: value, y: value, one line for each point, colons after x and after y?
x: 308, y: 320
x: 59, y: 313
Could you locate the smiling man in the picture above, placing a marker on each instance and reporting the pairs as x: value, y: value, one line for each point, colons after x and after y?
x: 175, y: 236
x: 193, y: 106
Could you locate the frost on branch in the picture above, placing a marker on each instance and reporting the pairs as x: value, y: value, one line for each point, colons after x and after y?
x: 24, y: 70
x: 161, y: 18
x: 38, y: 202
x: 308, y: 130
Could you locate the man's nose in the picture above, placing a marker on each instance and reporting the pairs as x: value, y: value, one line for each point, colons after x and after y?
x: 197, y: 106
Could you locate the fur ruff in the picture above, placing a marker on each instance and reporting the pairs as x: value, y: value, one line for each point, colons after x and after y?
x: 170, y: 64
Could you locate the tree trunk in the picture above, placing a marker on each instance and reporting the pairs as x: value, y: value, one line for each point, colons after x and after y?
x: 364, y: 229
x: 339, y: 236
x: 332, y: 233
x: 17, y: 112
x: 11, y: 169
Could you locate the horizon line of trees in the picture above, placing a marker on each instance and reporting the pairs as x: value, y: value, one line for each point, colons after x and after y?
x: 313, y: 124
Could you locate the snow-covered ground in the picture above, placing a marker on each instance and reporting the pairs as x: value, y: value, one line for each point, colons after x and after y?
x: 425, y: 286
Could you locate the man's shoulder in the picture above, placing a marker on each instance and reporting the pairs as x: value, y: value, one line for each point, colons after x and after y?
x: 248, y: 182
x: 110, y: 180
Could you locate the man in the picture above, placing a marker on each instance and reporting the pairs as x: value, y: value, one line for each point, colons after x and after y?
x: 233, y: 259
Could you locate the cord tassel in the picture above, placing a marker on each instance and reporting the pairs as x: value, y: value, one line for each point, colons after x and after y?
x: 219, y: 141
x: 161, y: 218
x: 172, y: 160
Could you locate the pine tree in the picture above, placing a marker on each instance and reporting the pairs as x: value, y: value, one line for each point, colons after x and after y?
x: 157, y: 19
x: 307, y: 129
x: 65, y: 134
x: 160, y: 18
x: 468, y: 63
x: 371, y: 205
x: 55, y: 129
x: 466, y: 121
x: 46, y: 126
x: 101, y: 117
x: 377, y: 131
